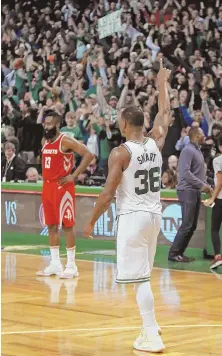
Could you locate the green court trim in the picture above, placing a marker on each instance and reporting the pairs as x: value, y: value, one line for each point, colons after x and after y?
x: 168, y: 194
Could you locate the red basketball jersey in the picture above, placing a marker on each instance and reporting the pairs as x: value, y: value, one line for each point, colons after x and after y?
x: 55, y: 163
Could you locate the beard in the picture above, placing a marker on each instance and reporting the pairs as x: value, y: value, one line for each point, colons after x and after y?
x: 50, y: 133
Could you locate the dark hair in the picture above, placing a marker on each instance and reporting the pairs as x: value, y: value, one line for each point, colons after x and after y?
x: 193, y: 132
x: 55, y: 116
x: 217, y: 126
x: 172, y: 178
x: 133, y: 116
x: 27, y: 103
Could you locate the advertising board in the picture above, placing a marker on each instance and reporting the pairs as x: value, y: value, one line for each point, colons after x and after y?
x: 24, y: 213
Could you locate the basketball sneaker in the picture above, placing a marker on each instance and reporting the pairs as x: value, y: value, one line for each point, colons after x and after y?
x: 150, y: 343
x: 69, y: 272
x: 216, y: 262
x: 52, y: 270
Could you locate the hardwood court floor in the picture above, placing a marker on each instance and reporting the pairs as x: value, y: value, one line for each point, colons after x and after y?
x: 92, y: 315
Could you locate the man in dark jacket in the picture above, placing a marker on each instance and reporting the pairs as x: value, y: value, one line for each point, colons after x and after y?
x: 13, y: 167
x: 29, y: 134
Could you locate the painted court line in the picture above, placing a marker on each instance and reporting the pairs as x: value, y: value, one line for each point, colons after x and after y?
x: 108, y: 262
x: 104, y: 329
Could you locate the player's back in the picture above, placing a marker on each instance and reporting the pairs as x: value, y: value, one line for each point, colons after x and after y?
x: 139, y: 189
x: 55, y: 163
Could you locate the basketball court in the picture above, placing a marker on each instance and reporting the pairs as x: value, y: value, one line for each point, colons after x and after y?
x: 92, y: 315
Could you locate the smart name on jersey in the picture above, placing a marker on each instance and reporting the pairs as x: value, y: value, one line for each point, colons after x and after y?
x: 146, y: 157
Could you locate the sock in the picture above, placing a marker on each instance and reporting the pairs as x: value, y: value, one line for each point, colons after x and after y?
x: 145, y: 302
x: 71, y: 252
x: 55, y: 254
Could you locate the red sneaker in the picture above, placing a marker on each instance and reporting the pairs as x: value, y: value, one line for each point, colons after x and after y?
x: 216, y: 262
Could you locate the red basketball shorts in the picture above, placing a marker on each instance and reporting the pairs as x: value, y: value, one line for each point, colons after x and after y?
x: 58, y: 203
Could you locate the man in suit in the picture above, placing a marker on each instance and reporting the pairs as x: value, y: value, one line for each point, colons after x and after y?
x: 13, y: 167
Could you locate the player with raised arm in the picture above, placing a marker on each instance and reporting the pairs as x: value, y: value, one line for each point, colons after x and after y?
x: 134, y: 176
x: 58, y: 193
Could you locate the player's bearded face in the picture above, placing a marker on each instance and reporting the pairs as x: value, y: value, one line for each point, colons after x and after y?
x: 50, y: 132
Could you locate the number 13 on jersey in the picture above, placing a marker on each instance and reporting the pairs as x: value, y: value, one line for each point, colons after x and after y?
x: 149, y: 181
x: 48, y: 162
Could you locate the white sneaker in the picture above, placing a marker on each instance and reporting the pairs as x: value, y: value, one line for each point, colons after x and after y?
x: 52, y: 270
x: 70, y: 272
x: 151, y: 343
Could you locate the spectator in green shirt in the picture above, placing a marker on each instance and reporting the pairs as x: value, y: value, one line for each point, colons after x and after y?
x: 35, y: 83
x: 103, y: 131
x: 72, y: 129
x: 11, y: 95
x: 20, y: 77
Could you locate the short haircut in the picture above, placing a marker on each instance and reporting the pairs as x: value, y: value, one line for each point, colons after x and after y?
x: 193, y: 132
x: 9, y: 146
x: 133, y: 116
x: 55, y: 116
x: 217, y: 126
x: 32, y: 169
x: 10, y: 130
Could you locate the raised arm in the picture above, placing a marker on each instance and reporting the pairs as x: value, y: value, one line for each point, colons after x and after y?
x: 179, y: 7
x: 205, y: 111
x: 163, y: 117
x: 162, y: 82
x: 100, y: 96
x: 122, y: 100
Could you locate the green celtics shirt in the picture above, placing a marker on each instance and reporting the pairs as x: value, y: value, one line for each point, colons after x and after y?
x: 105, y: 147
x: 73, y: 132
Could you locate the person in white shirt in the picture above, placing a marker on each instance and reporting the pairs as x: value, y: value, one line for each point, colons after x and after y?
x: 92, y: 143
x: 216, y: 202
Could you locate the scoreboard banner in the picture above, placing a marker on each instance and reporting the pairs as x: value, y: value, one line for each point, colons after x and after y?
x: 24, y: 213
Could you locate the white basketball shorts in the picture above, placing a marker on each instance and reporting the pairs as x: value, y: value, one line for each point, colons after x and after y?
x: 137, y: 234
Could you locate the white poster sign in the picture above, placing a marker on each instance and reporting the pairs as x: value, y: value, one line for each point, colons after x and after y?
x: 110, y: 24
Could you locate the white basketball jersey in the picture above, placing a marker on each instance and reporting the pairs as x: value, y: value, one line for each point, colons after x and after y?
x: 217, y: 164
x: 139, y: 188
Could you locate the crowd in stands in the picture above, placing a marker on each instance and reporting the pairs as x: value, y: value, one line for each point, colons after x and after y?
x: 53, y: 59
